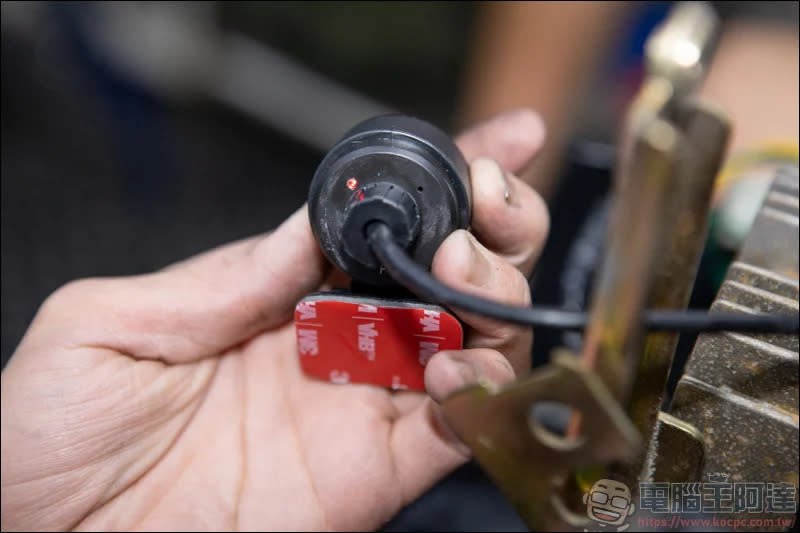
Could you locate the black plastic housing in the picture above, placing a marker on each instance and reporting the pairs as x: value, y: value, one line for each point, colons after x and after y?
x: 395, y: 169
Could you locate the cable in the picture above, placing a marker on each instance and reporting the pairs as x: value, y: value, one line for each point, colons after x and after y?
x: 423, y: 284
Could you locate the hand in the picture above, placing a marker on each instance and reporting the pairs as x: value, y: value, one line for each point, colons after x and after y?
x: 174, y: 400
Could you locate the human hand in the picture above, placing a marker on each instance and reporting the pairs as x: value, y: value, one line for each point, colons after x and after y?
x: 175, y: 400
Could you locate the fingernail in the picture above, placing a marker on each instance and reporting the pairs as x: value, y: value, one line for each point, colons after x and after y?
x: 480, y: 268
x: 465, y: 371
x: 506, y: 183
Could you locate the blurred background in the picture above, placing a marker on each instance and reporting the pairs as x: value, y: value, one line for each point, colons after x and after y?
x: 135, y: 134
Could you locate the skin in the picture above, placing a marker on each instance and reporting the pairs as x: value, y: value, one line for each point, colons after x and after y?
x: 512, y: 63
x: 174, y: 400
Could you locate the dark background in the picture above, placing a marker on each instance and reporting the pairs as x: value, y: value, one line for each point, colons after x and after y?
x: 101, y: 176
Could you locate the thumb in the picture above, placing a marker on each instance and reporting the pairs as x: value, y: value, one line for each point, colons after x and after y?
x: 193, y: 309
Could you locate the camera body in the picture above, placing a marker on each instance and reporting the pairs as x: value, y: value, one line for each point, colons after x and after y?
x: 411, y: 176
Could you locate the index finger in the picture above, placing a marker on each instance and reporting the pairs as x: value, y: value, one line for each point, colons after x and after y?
x: 511, y: 138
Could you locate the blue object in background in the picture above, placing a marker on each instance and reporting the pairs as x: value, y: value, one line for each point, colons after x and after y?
x: 135, y: 116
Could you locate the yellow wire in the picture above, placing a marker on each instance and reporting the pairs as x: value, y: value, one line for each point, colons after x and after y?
x: 778, y: 150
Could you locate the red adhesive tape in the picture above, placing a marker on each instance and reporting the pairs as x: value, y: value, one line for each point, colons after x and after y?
x: 350, y: 339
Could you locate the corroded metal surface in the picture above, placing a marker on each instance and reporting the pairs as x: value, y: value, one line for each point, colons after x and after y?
x: 614, y: 336
x: 773, y: 241
x: 706, y: 130
x: 675, y: 434
x: 741, y: 391
x: 529, y: 464
x: 669, y: 152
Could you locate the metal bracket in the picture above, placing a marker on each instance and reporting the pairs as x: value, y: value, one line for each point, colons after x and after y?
x: 533, y: 466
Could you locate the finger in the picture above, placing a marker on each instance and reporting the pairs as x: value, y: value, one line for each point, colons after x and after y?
x: 451, y: 370
x: 511, y: 138
x: 464, y: 264
x: 424, y: 450
x: 337, y: 279
x: 196, y: 308
x: 508, y: 216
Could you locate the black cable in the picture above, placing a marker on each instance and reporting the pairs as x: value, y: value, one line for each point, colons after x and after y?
x: 418, y: 280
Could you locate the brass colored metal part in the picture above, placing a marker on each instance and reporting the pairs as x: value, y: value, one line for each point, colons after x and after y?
x: 531, y: 467
x: 676, y: 53
x: 652, y: 101
x: 674, y: 435
x: 670, y: 150
x: 528, y: 464
x: 614, y: 335
x: 706, y: 131
x: 678, y: 176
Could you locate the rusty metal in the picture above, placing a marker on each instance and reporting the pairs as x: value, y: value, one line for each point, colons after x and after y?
x: 677, y: 54
x: 613, y: 342
x: 676, y: 236
x: 741, y: 391
x: 778, y: 216
x: 669, y: 150
x: 674, y: 434
x: 706, y: 130
x: 531, y: 467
